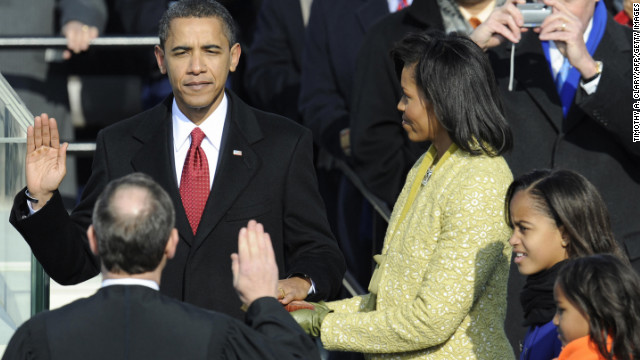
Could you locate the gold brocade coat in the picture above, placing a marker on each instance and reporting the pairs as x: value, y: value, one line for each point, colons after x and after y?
x: 441, y: 280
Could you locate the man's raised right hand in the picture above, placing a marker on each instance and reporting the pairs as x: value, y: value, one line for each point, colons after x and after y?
x: 46, y: 159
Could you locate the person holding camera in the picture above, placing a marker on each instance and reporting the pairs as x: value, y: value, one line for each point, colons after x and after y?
x: 568, y: 100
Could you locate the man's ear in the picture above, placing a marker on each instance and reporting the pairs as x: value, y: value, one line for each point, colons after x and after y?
x: 157, y: 50
x: 172, y: 244
x: 93, y: 242
x: 235, y: 56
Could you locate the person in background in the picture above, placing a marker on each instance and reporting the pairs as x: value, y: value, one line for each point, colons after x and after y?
x: 128, y: 318
x: 214, y: 155
x: 39, y: 75
x: 570, y: 104
x: 598, y: 309
x: 625, y: 16
x: 439, y: 290
x: 382, y: 154
x: 332, y: 40
x: 272, y: 76
x: 555, y: 215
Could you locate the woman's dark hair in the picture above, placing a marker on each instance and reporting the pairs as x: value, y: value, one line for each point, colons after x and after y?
x: 454, y: 77
x: 574, y: 204
x: 607, y: 291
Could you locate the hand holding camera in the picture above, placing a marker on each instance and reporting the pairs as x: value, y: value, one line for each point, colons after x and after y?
x: 505, y: 23
x: 565, y: 27
x: 563, y: 23
x: 552, y: 19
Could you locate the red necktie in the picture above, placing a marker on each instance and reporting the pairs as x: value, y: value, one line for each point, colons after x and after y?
x: 194, y: 183
x: 402, y: 4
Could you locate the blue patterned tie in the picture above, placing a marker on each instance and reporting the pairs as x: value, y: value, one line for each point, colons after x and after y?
x: 561, y: 77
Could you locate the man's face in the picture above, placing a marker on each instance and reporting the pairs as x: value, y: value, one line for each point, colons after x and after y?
x: 197, y: 59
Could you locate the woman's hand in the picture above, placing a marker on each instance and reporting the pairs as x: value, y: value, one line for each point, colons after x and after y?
x: 311, y: 320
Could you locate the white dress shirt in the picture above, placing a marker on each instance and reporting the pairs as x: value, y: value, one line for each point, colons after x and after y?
x: 212, y: 128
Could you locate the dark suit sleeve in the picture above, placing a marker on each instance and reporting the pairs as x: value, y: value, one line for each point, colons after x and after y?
x: 273, y: 73
x: 309, y: 246
x: 58, y: 240
x: 323, y: 106
x: 90, y: 12
x: 271, y: 334
x: 380, y: 147
x: 19, y: 346
x: 612, y: 103
x: 28, y: 342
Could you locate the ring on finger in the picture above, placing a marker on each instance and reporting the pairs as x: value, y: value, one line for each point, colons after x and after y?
x: 85, y: 28
x: 563, y: 27
x: 282, y: 292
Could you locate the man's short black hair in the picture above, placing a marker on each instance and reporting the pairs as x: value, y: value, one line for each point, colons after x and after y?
x: 197, y: 9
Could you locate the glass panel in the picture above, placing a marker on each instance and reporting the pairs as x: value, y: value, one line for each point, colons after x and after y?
x: 15, y: 256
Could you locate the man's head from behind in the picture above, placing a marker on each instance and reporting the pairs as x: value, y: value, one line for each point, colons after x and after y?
x: 133, y: 220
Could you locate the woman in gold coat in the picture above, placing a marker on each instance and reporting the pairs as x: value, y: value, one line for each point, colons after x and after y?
x: 439, y: 288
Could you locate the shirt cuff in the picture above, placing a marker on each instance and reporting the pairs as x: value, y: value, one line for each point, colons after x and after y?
x: 591, y: 86
x: 31, y: 209
x: 312, y: 289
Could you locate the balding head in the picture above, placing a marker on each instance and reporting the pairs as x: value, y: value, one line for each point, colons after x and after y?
x: 132, y: 220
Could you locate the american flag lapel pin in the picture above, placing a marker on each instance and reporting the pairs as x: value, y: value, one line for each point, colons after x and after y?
x: 237, y: 152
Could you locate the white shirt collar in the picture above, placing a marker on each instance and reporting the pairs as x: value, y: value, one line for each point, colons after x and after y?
x: 482, y: 15
x: 131, y: 281
x: 211, y: 126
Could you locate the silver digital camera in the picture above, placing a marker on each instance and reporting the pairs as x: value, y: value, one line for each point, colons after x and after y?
x: 533, y: 13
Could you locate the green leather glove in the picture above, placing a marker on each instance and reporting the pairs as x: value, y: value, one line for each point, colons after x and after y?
x: 311, y: 320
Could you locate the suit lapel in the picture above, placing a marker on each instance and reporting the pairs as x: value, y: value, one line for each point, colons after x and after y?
x: 155, y: 158
x: 237, y: 165
x: 532, y: 71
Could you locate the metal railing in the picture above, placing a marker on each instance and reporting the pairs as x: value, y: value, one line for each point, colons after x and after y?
x: 61, y: 43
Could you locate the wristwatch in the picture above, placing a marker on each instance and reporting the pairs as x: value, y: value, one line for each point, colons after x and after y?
x: 598, y: 72
x: 302, y: 276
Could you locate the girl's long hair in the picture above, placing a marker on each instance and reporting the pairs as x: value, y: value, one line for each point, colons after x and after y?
x: 607, y: 291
